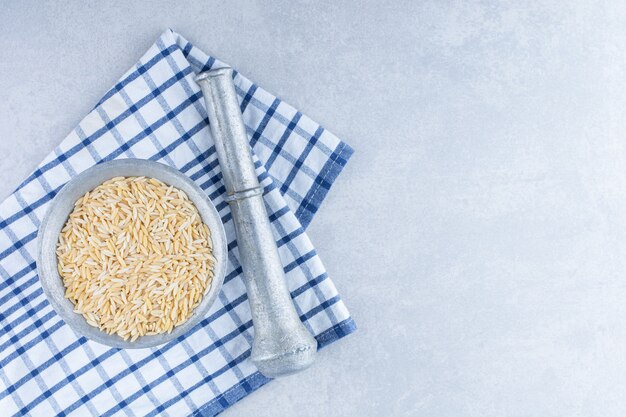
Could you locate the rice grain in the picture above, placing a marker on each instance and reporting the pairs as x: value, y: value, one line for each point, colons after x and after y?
x: 135, y: 257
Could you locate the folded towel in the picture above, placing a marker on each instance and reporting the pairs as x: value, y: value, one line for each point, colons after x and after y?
x: 156, y: 112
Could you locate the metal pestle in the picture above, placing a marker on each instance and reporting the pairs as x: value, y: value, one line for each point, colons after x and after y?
x: 282, y: 345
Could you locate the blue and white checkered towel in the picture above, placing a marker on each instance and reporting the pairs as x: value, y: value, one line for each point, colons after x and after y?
x: 156, y: 112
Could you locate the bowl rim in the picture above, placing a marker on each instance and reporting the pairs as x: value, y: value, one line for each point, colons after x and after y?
x: 60, y: 209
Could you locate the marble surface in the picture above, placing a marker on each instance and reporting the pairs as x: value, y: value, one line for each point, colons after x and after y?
x: 478, y: 236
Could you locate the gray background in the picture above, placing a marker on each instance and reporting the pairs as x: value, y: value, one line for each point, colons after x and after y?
x: 478, y: 236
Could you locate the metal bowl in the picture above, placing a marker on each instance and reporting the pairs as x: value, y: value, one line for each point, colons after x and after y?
x: 62, y: 206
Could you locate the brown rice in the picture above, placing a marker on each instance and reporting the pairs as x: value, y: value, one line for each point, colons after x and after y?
x: 135, y: 257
